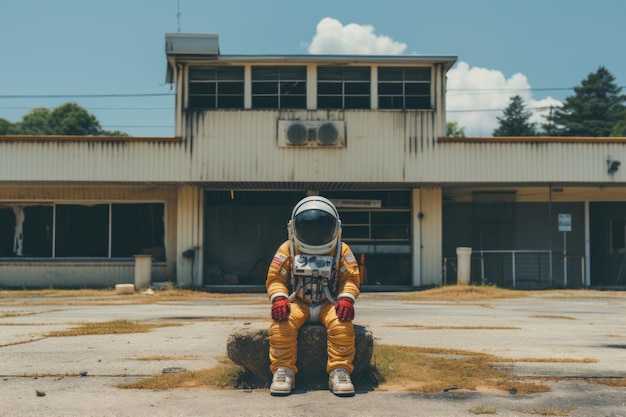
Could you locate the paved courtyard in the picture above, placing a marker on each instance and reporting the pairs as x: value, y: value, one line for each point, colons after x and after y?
x: 551, y: 324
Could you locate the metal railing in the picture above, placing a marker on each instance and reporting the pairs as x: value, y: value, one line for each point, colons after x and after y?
x: 520, y: 268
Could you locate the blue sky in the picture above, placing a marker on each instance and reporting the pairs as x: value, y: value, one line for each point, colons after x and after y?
x: 108, y: 55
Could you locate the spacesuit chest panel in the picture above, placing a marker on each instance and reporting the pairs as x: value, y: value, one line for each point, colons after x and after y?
x: 310, y: 274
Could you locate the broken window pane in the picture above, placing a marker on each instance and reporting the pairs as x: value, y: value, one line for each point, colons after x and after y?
x: 25, y: 230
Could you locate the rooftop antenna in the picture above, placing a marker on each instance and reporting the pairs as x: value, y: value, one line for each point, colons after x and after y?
x: 178, y: 13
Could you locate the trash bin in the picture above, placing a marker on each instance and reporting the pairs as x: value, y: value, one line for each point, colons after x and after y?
x: 464, y: 261
x: 143, y: 271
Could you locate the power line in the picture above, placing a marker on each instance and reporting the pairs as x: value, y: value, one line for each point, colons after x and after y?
x: 22, y: 96
x: 96, y: 108
x: 140, y: 126
x: 501, y: 109
x: 126, y: 95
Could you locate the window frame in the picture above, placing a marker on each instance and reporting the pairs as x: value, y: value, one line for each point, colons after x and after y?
x: 220, y: 87
x: 391, y: 225
x: 322, y: 86
x: 279, y: 88
x: 344, y: 88
x: 413, y: 89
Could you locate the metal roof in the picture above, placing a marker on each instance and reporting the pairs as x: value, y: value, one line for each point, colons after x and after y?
x: 185, y: 47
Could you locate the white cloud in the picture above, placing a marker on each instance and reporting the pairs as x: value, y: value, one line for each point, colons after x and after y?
x: 476, y: 96
x: 352, y: 39
x: 541, y: 108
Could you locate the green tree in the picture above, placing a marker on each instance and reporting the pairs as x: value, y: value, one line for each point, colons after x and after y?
x: 6, y: 127
x: 71, y: 119
x: 112, y: 133
x: 515, y: 120
x: 35, y: 122
x: 619, y: 128
x: 66, y: 119
x: 454, y: 131
x: 593, y: 110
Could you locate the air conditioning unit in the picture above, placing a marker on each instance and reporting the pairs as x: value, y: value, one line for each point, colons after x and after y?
x: 311, y: 133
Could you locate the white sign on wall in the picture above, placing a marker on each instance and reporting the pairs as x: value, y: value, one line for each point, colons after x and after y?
x: 565, y: 222
x: 352, y: 203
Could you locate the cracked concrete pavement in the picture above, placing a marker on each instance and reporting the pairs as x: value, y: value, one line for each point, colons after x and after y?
x: 538, y: 326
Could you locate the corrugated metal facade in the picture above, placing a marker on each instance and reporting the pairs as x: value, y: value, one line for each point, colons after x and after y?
x: 538, y: 162
x: 92, y: 160
x: 381, y: 146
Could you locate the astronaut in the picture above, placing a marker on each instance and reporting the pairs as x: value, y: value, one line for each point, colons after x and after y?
x: 313, y: 276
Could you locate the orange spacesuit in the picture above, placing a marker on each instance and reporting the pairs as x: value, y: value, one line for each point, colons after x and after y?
x: 313, y: 277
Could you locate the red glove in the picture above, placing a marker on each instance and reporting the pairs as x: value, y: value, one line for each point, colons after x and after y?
x: 280, y: 309
x: 345, y: 309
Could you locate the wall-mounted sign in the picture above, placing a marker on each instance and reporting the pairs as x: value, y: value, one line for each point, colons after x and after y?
x: 351, y: 203
x: 565, y: 222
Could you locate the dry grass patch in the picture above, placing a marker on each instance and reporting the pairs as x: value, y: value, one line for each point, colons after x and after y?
x: 108, y: 296
x: 393, y: 368
x: 488, y: 292
x: 255, y: 318
x: 548, y: 360
x: 464, y: 293
x: 226, y: 375
x: 432, y: 370
x: 583, y: 293
x: 546, y: 410
x: 169, y: 358
x: 108, y: 327
x: 481, y: 409
x: 610, y: 382
x: 6, y: 314
x: 452, y: 327
x: 553, y: 316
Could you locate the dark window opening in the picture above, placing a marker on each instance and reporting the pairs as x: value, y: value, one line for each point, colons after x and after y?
x: 343, y: 88
x: 82, y: 230
x: 376, y: 225
x: 404, y: 88
x: 216, y: 87
x: 137, y: 228
x: 279, y: 87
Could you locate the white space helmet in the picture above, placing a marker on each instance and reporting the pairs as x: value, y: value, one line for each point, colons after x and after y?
x: 315, y: 225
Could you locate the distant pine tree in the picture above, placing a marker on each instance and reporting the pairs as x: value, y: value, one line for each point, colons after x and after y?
x: 594, y: 110
x: 515, y: 120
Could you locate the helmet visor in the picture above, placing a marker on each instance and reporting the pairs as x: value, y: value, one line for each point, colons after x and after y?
x: 315, y: 227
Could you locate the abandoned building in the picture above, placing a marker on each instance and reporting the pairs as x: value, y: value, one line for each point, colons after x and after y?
x: 256, y: 133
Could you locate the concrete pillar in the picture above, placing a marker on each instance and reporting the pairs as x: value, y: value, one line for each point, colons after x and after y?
x: 143, y: 271
x: 464, y: 265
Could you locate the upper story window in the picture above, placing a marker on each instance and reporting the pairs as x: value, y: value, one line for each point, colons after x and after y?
x: 216, y: 87
x: 279, y: 87
x: 404, y: 88
x: 343, y: 87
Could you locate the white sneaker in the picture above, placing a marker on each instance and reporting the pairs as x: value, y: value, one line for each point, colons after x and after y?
x: 283, y: 381
x: 339, y: 382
